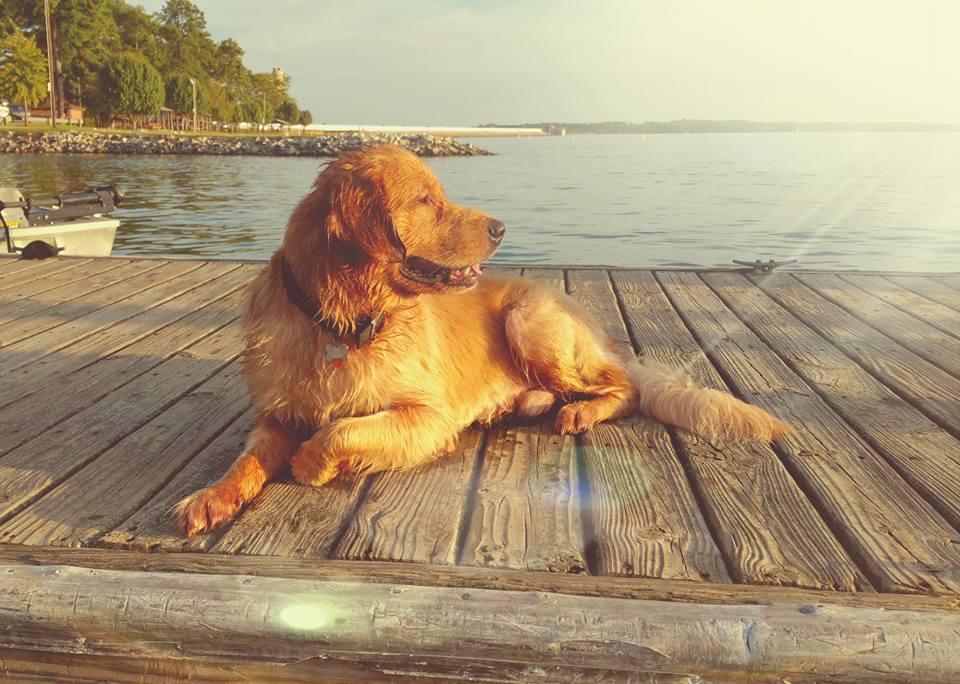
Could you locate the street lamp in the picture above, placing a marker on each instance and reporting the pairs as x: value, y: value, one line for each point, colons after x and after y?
x: 193, y: 82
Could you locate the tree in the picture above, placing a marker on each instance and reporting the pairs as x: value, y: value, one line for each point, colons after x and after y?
x: 132, y: 86
x: 23, y: 72
x: 306, y: 118
x: 179, y: 95
x: 228, y: 67
x: 139, y: 31
x: 187, y: 46
x: 289, y: 111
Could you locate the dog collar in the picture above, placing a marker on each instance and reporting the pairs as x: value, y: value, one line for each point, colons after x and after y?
x: 365, y: 327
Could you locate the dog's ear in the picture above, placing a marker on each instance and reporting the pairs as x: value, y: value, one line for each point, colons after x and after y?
x: 360, y: 215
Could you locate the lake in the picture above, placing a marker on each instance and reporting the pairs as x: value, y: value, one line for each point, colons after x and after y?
x: 885, y: 201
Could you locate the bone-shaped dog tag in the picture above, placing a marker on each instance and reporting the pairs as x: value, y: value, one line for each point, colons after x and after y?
x: 336, y: 355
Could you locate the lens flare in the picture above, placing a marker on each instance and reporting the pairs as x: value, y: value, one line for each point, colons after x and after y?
x: 308, y: 616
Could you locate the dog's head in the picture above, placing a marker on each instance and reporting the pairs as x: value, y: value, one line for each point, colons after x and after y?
x: 384, y: 208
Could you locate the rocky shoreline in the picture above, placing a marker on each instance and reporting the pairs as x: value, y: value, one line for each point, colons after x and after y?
x: 80, y: 142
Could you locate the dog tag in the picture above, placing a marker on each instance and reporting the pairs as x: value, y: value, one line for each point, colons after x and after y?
x: 336, y: 355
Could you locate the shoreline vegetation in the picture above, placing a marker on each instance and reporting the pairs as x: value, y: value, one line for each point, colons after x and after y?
x: 125, y: 142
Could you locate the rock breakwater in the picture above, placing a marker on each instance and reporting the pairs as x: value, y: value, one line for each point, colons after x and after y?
x: 82, y: 142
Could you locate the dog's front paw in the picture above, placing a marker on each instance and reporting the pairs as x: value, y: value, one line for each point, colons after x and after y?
x: 580, y: 416
x: 207, y: 509
x: 313, y: 467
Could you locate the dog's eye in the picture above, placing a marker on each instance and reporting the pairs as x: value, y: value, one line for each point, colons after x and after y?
x: 426, y: 199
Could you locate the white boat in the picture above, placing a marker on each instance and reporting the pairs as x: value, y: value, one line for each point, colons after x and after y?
x: 76, y: 225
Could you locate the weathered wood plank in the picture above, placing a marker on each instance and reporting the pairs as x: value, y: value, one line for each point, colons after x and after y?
x: 36, y: 295
x: 891, y: 292
x: 35, y: 361
x: 901, y: 542
x: 120, y: 480
x: 420, y: 574
x: 25, y: 664
x: 768, y: 529
x: 951, y: 280
x: 645, y: 517
x: 11, y: 264
x: 881, y: 313
x: 152, y: 527
x: 43, y: 462
x: 926, y: 456
x: 526, y: 508
x: 21, y: 420
x: 290, y: 519
x: 414, y: 515
x: 76, y: 610
x: 930, y: 389
x: 76, y: 299
x: 929, y: 288
x: 35, y: 270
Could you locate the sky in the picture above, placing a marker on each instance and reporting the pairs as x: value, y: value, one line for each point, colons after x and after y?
x: 431, y: 62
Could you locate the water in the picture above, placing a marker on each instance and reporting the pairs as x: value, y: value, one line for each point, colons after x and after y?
x: 885, y: 201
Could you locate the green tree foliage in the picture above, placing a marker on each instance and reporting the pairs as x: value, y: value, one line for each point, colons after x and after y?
x: 179, y: 95
x: 185, y: 43
x: 23, y: 72
x: 87, y: 34
x: 288, y: 111
x: 306, y: 118
x: 131, y: 86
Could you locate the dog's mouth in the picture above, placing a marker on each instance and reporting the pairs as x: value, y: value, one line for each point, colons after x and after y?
x: 428, y: 273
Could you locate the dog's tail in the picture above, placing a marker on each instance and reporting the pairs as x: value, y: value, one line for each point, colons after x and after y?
x: 672, y: 397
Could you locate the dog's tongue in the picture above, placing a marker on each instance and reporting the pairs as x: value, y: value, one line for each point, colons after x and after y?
x: 459, y: 274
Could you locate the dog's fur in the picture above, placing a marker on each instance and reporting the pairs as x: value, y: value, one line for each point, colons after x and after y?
x: 449, y: 355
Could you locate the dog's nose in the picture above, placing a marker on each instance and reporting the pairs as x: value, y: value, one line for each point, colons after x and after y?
x: 496, y: 229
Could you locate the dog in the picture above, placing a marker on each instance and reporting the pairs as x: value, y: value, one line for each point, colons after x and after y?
x: 372, y: 341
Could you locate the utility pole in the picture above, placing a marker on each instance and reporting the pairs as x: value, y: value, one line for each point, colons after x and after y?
x: 193, y: 82
x: 50, y: 83
x: 263, y: 109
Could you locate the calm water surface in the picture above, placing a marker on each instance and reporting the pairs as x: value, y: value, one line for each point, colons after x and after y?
x: 846, y: 200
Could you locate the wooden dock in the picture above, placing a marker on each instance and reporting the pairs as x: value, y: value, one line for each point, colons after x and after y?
x: 834, y: 554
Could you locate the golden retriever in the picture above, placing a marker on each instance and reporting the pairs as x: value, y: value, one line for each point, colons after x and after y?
x: 371, y: 342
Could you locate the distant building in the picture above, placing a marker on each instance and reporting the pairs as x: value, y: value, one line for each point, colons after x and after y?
x: 73, y: 113
x: 278, y: 75
x: 553, y: 129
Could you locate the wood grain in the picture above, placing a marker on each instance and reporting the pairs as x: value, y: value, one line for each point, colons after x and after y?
x: 891, y: 292
x: 928, y: 388
x: 415, y: 515
x: 526, y: 509
x: 526, y: 506
x: 152, y: 526
x: 290, y: 519
x: 30, y: 271
x: 926, y: 456
x: 645, y: 517
x: 38, y: 296
x: 421, y: 574
x: 769, y: 531
x: 53, y: 455
x: 98, y: 291
x: 880, y: 312
x: 76, y: 610
x: 35, y: 362
x: 902, y: 543
x: 125, y: 476
x: 21, y: 420
x: 929, y: 288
